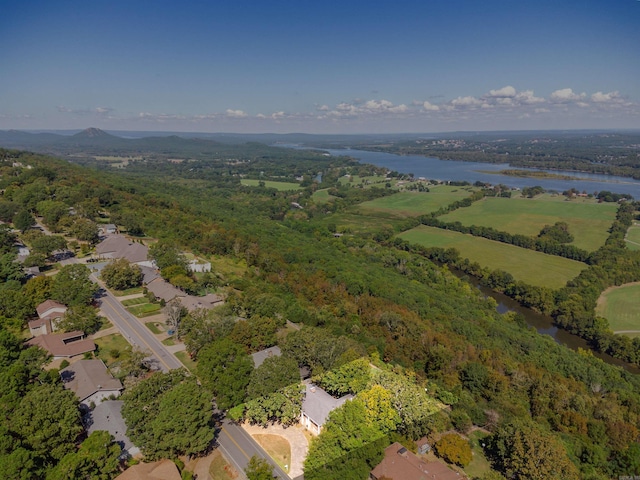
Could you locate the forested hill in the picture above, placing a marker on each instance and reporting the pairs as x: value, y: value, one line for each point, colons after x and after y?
x: 492, y: 370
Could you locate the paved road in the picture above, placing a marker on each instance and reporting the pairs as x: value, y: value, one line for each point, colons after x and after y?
x: 136, y: 333
x: 238, y: 447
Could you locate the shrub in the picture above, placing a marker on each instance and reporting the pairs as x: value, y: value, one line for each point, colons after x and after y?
x: 454, y: 449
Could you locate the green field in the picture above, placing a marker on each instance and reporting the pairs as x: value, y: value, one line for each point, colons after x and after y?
x: 633, y: 237
x: 108, y: 344
x: 528, y: 266
x: 411, y: 204
x: 145, y: 309
x: 353, y: 223
x: 270, y: 184
x: 322, y: 196
x: 588, y: 220
x: 620, y: 306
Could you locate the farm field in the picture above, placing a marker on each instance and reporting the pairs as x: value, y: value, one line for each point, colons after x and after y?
x: 366, y: 181
x: 270, y: 184
x: 588, y: 220
x: 354, y: 223
x: 529, y: 266
x: 633, y: 237
x: 620, y: 306
x: 410, y: 204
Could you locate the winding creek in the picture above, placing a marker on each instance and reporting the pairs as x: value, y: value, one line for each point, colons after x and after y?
x: 433, y: 168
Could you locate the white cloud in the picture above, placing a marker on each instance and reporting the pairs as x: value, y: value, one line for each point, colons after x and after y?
x: 466, y: 102
x: 611, y: 97
x: 430, y: 107
x: 235, y: 113
x: 566, y: 95
x: 504, y: 92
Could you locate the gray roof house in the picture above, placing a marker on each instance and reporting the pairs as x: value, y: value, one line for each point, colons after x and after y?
x: 118, y: 246
x: 108, y: 417
x: 262, y: 355
x: 91, y: 381
x: 316, y: 406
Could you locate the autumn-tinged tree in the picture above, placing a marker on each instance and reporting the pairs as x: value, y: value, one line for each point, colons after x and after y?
x: 523, y: 450
x: 454, y: 449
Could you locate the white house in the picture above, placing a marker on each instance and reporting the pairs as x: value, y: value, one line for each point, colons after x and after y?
x: 316, y: 406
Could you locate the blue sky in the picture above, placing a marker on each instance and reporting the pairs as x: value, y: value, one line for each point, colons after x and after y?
x: 320, y: 66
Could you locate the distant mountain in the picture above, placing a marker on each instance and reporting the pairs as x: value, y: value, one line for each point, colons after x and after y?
x: 93, y: 133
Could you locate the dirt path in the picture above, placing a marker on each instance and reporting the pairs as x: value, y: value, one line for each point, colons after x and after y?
x: 626, y: 331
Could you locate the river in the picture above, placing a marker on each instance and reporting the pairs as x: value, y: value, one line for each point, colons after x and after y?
x: 436, y: 169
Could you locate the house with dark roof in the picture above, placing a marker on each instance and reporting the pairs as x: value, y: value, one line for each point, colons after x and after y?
x: 401, y: 464
x: 63, y: 345
x: 316, y: 406
x: 91, y: 381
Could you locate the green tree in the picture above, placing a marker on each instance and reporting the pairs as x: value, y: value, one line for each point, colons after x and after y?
x: 7, y: 239
x: 167, y: 254
x: 47, y: 244
x: 454, y: 449
x: 47, y: 422
x: 81, y: 317
x: 23, y: 220
x: 120, y: 274
x: 72, y: 285
x: 85, y: 230
x: 169, y: 415
x: 97, y: 459
x: 225, y: 368
x: 9, y: 269
x: 274, y: 374
x: 183, y: 424
x: 259, y: 469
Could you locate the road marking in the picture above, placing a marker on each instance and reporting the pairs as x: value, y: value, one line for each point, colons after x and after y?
x: 136, y: 333
x: 235, y: 443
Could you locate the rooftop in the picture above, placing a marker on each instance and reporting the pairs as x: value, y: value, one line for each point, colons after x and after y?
x: 48, y: 305
x: 401, y: 464
x: 262, y: 355
x: 108, y: 417
x: 86, y: 377
x: 67, y: 344
x: 317, y: 403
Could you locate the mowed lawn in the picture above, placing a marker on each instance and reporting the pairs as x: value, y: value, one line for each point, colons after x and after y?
x: 621, y: 306
x: 588, y: 220
x: 633, y: 237
x: 411, y: 204
x: 528, y: 266
x: 269, y: 184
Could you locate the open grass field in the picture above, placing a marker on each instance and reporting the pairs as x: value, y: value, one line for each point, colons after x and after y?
x: 145, y: 309
x: 134, y: 301
x: 109, y: 344
x: 269, y: 184
x: 621, y: 306
x: 588, y: 220
x: 411, y: 204
x: 155, y: 327
x: 529, y: 266
x: 633, y: 237
x: 130, y: 291
x: 277, y: 447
